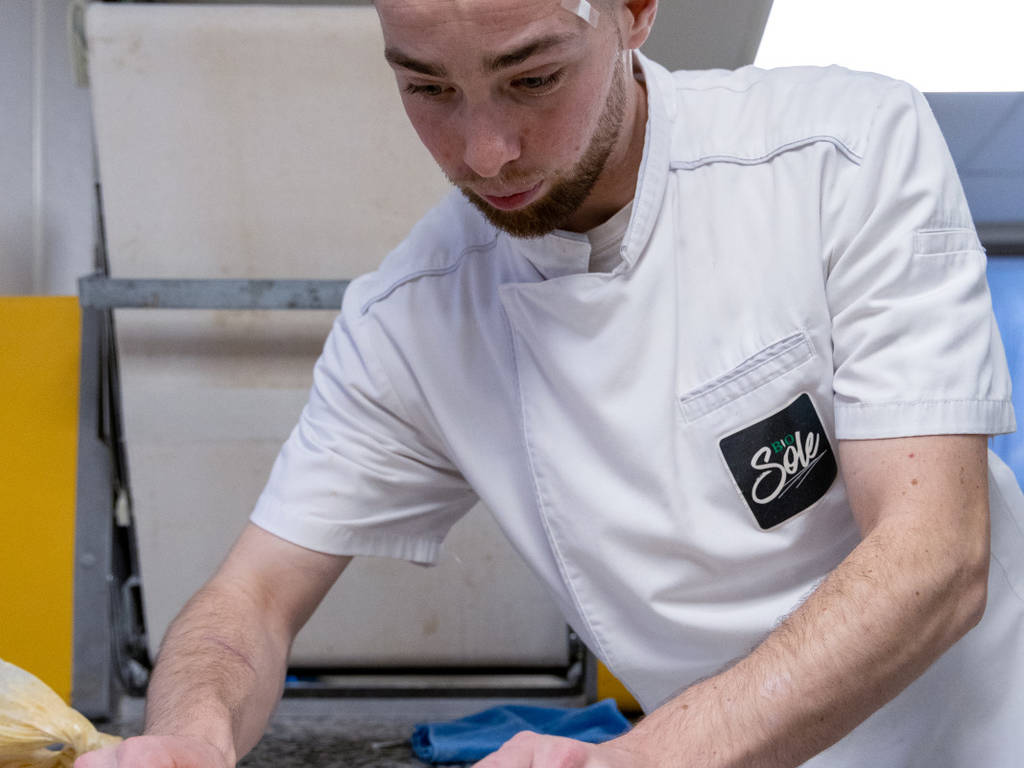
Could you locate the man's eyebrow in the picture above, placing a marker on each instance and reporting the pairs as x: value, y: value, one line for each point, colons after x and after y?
x: 398, y: 59
x: 521, y: 54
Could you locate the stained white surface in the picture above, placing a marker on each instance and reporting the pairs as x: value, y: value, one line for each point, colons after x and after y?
x: 270, y: 142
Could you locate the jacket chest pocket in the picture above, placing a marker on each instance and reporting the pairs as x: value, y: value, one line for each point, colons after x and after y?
x: 764, y: 417
x: 752, y: 374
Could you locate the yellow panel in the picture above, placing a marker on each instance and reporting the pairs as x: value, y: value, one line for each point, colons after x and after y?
x: 39, y: 356
x: 609, y: 687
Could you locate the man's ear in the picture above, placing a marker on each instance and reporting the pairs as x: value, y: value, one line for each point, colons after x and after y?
x: 640, y: 20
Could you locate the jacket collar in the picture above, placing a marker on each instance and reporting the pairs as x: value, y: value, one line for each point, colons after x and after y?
x: 564, y: 253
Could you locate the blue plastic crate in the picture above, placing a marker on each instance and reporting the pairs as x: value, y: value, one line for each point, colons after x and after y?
x: 1006, y: 281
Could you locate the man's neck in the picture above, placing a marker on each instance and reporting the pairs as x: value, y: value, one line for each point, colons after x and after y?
x: 617, y: 185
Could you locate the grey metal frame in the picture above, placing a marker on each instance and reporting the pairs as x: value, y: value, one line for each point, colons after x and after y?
x: 95, y: 691
x: 1001, y: 239
x: 98, y: 291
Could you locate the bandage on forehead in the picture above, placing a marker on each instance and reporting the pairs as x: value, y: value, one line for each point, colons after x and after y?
x: 583, y: 9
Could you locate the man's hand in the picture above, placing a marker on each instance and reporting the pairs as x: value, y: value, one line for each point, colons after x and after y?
x: 156, y: 752
x: 532, y: 750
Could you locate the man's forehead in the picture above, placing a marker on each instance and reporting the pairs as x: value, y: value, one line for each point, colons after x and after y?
x: 439, y: 37
x: 509, y: 16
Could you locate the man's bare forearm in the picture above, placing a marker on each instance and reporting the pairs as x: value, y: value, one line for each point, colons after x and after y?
x: 894, y: 605
x: 222, y: 664
x: 219, y: 674
x: 864, y: 635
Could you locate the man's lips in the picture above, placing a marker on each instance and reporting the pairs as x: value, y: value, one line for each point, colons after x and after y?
x: 511, y: 202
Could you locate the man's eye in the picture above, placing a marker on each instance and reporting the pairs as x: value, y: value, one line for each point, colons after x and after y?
x: 539, y: 82
x: 424, y: 90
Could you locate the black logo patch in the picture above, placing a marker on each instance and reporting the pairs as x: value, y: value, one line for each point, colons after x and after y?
x: 782, y: 464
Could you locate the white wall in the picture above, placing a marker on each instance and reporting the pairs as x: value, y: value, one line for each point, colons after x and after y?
x: 46, y: 167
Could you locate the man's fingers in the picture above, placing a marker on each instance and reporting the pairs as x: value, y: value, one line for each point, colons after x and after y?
x: 155, y: 752
x: 517, y: 752
x: 531, y: 750
x: 100, y: 758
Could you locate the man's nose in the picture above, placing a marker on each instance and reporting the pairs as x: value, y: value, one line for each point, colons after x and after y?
x: 490, y: 140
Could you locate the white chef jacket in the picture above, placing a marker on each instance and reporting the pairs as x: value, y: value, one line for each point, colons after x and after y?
x: 658, y: 441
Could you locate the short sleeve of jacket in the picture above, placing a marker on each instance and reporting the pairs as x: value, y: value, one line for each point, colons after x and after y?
x: 357, y: 476
x: 915, y: 343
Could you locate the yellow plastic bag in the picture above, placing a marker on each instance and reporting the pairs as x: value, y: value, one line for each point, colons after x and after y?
x: 37, y: 729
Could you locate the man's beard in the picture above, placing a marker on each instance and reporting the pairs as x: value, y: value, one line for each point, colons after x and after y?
x: 569, y: 191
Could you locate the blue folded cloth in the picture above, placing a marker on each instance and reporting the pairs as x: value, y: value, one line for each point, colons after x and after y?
x: 473, y: 738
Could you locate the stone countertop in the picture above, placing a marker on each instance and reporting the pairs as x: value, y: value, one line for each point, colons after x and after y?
x: 335, y: 733
x: 320, y: 733
x: 327, y: 743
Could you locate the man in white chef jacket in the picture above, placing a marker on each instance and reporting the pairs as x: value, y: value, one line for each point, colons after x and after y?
x: 717, y: 350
